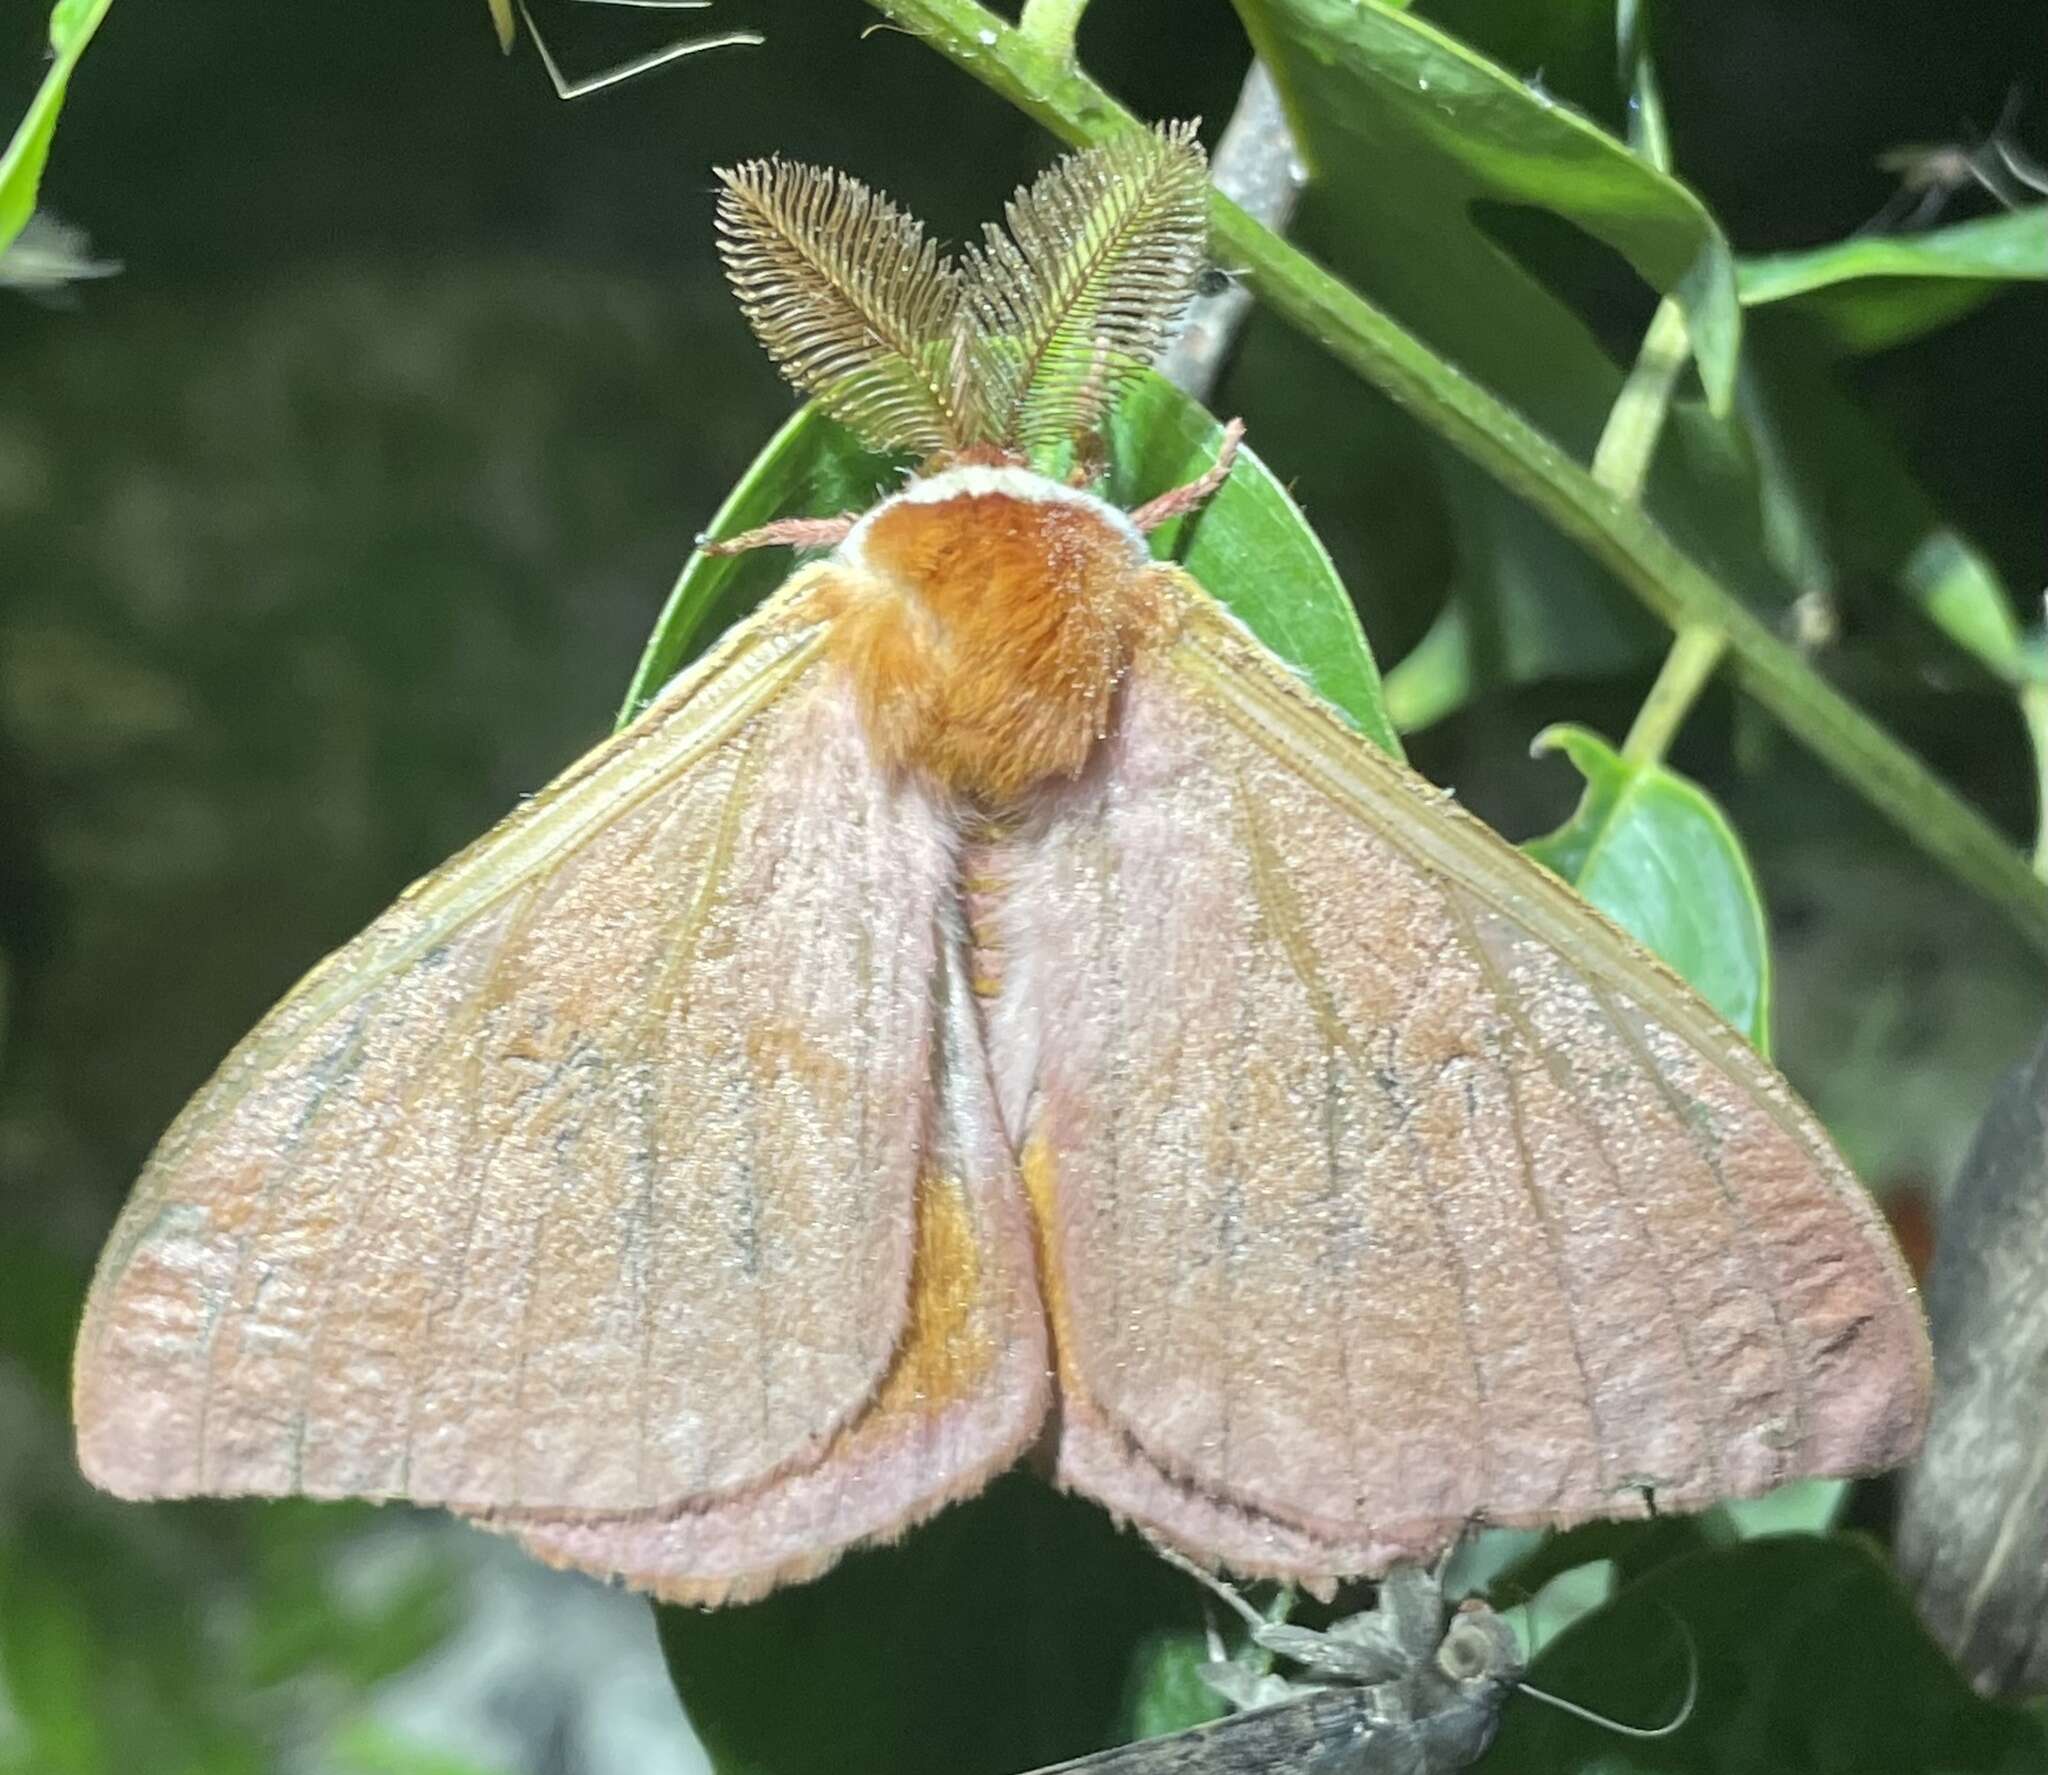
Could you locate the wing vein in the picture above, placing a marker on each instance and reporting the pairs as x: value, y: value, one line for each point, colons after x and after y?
x: 657, y: 1008
x: 1746, y: 1243
x: 366, y: 1198
x: 1511, y: 1007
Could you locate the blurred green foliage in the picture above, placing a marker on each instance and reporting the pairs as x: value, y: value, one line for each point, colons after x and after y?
x: 337, y: 522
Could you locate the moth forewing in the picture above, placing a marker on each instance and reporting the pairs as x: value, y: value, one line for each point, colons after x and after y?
x: 470, y: 1218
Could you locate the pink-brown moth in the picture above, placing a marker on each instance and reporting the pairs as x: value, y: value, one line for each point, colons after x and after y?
x: 989, y: 1004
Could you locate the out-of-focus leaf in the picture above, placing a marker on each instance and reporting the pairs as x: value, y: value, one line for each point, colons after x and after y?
x: 47, y: 257
x: 49, y: 1664
x: 1165, y: 1692
x: 996, y: 1637
x: 503, y: 23
x: 1960, y: 592
x: 366, y: 1748
x: 1805, y: 1507
x: 1250, y: 545
x: 1652, y: 850
x: 1873, y: 291
x: 1463, y: 200
x: 72, y: 23
x: 1809, y: 1663
x: 1407, y: 130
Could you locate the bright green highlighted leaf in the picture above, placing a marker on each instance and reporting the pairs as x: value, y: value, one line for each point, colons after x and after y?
x: 1652, y: 851
x: 72, y: 24
x: 1874, y: 291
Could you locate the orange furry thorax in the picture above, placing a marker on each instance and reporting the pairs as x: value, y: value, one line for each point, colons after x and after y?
x: 986, y: 634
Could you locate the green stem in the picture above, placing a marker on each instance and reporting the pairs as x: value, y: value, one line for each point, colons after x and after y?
x: 1628, y: 442
x: 1049, y: 26
x: 1694, y: 655
x: 2034, y: 712
x: 1614, y: 531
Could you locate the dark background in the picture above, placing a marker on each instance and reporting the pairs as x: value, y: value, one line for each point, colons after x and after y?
x: 337, y: 520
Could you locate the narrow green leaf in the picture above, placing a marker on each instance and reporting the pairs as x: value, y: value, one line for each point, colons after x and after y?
x: 1873, y: 291
x: 72, y: 24
x: 1407, y: 131
x: 1250, y: 546
x: 1652, y: 850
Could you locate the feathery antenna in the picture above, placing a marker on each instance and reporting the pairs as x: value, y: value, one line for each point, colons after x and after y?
x: 853, y: 303
x: 1081, y: 293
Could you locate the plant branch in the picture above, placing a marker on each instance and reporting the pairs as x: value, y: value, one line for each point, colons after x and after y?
x: 1257, y: 166
x: 1628, y: 441
x: 1695, y: 654
x: 1665, y: 579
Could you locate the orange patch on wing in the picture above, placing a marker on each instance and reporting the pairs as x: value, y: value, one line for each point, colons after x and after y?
x: 1035, y: 1164
x: 947, y: 1349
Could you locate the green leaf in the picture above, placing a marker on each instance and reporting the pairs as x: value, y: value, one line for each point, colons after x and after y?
x: 1653, y: 851
x: 72, y: 24
x: 1809, y: 1661
x: 1873, y: 291
x: 1250, y: 546
x: 1166, y: 1692
x: 363, y: 1747
x: 1408, y: 131
x: 994, y: 1638
x: 1448, y: 191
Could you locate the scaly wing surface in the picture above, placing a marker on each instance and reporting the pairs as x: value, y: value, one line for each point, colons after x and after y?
x: 585, y: 1178
x: 965, y: 1392
x: 1385, y: 1185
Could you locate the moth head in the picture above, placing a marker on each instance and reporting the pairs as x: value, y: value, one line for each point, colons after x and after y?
x: 1479, y: 1651
x: 1021, y: 345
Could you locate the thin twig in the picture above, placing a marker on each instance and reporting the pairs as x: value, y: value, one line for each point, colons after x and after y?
x: 1258, y: 168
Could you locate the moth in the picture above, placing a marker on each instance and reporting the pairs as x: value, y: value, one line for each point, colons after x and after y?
x: 987, y: 1004
x: 1410, y: 1686
x: 1407, y: 1687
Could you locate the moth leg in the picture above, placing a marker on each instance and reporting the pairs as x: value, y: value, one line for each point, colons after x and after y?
x: 786, y: 533
x: 1181, y: 500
